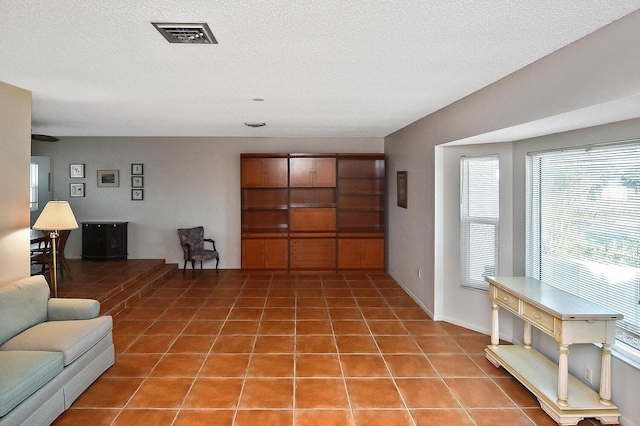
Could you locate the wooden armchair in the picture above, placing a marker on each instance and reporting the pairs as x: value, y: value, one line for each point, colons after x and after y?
x: 192, y: 241
x: 42, y: 255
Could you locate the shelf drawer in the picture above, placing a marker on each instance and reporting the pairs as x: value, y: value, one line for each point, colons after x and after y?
x: 507, y: 300
x: 536, y: 316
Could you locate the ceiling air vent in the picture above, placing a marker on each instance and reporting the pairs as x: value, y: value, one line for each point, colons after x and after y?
x: 192, y: 33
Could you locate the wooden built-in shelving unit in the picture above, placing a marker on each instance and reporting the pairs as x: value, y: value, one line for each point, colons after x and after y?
x: 313, y: 211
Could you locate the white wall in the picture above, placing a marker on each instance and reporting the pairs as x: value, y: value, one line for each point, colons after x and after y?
x: 15, y: 136
x: 187, y: 182
x: 459, y: 301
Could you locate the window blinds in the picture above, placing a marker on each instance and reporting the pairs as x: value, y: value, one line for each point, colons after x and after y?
x: 479, y: 219
x: 583, y: 227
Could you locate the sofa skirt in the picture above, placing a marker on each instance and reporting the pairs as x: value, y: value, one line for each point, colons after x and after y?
x: 51, y: 400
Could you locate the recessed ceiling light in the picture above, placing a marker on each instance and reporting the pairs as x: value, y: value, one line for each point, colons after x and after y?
x: 255, y: 124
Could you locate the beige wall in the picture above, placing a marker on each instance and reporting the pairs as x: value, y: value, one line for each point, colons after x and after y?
x: 588, y: 83
x: 15, y: 137
x: 187, y: 182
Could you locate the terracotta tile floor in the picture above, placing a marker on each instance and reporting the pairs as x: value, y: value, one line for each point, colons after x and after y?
x: 259, y: 349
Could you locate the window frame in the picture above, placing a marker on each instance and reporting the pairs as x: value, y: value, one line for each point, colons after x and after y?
x: 467, y: 221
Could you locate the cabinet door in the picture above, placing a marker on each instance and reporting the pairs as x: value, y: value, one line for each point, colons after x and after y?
x: 348, y: 254
x: 252, y: 254
x: 117, y: 240
x: 372, y: 254
x: 324, y: 172
x: 301, y: 172
x: 264, y: 172
x: 313, y: 219
x: 313, y: 172
x: 276, y: 254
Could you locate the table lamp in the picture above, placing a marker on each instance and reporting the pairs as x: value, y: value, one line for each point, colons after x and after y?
x: 56, y: 216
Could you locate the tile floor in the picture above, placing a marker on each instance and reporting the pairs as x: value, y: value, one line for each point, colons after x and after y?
x: 260, y: 349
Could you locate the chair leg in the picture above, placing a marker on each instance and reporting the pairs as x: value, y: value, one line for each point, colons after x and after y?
x: 193, y: 268
x: 184, y: 268
x: 217, y: 261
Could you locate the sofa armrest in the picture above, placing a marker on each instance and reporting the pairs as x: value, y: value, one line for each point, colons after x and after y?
x: 72, y: 309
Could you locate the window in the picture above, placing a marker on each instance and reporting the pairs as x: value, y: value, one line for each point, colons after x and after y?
x: 583, y: 227
x: 33, y: 187
x: 479, y: 219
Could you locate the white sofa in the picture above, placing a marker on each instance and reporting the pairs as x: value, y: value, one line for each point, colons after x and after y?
x: 51, y: 350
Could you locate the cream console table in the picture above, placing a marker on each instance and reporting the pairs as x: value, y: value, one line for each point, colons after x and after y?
x: 568, y: 319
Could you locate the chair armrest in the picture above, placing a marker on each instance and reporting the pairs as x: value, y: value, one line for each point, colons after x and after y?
x: 213, y: 243
x: 72, y: 309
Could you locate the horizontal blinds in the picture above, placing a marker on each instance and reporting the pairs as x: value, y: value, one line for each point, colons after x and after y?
x: 584, y: 226
x: 479, y: 219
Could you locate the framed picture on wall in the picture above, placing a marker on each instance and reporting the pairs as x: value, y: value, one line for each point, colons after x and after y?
x: 108, y: 178
x: 402, y: 189
x: 137, y: 181
x: 76, y: 189
x: 137, y: 194
x: 137, y: 169
x: 76, y: 170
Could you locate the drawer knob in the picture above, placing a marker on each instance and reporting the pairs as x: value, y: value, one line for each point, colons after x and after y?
x: 537, y: 316
x: 505, y: 298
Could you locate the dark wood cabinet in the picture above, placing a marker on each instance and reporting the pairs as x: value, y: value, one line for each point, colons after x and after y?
x: 313, y: 211
x: 104, y: 240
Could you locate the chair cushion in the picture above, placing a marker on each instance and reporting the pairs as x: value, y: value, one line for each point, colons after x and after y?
x: 204, y: 255
x: 24, y: 372
x: 72, y: 338
x: 23, y: 304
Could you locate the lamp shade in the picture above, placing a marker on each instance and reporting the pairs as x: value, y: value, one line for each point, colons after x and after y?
x: 56, y: 215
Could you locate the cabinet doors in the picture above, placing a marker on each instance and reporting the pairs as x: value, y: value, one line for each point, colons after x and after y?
x: 313, y: 172
x: 104, y: 241
x: 265, y: 253
x: 313, y: 253
x: 264, y: 172
x: 361, y: 253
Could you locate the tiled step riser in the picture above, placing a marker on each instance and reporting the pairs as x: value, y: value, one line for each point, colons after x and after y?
x: 137, y: 288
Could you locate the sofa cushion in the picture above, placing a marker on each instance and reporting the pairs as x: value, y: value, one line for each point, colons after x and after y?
x: 72, y: 309
x: 24, y: 372
x: 72, y: 338
x: 23, y: 304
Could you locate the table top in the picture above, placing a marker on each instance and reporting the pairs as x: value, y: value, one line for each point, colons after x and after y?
x: 563, y: 305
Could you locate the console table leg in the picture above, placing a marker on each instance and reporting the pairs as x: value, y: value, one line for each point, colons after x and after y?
x: 605, y: 375
x: 495, y: 328
x: 527, y: 335
x: 563, y: 376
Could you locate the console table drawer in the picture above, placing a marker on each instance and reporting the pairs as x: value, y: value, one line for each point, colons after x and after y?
x: 538, y: 317
x: 506, y: 299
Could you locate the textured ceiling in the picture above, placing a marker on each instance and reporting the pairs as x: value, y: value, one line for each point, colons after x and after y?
x: 323, y: 68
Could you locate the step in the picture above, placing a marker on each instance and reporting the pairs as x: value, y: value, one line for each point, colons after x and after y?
x: 133, y: 289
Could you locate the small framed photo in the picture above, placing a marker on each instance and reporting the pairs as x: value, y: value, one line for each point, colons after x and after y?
x: 137, y: 182
x: 108, y: 178
x: 76, y: 189
x: 137, y: 169
x: 76, y: 170
x: 402, y: 189
x: 137, y: 194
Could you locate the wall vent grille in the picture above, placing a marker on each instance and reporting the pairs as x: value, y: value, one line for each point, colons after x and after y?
x: 189, y: 33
